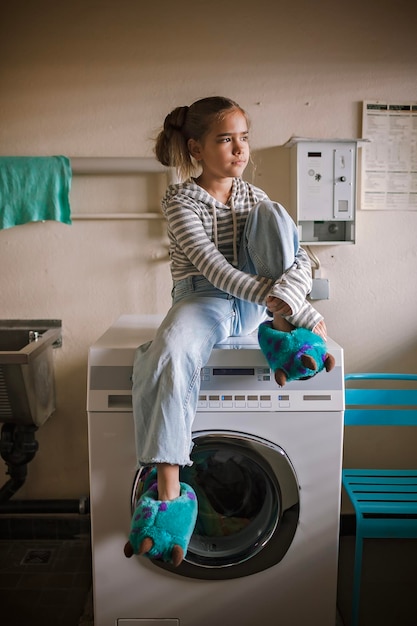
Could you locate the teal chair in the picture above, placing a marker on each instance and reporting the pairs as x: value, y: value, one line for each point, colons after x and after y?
x: 385, y: 500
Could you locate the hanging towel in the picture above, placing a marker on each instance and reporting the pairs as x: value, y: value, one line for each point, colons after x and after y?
x: 34, y: 189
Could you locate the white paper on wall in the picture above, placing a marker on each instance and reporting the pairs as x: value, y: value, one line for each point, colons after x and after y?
x: 389, y: 157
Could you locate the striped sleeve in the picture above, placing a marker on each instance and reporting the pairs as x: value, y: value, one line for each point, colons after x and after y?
x: 306, y: 317
x: 295, y: 283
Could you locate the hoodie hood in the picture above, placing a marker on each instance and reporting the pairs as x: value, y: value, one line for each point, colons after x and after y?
x: 190, y: 189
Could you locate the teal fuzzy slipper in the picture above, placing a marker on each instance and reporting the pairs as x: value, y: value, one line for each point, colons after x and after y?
x: 294, y: 355
x: 162, y: 529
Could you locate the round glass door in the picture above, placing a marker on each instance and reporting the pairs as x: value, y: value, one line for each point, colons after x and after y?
x: 248, y: 503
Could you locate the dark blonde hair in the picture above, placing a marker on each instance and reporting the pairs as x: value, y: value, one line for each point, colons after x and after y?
x: 193, y: 122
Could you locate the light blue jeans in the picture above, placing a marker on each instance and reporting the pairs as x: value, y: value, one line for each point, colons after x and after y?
x: 166, y: 372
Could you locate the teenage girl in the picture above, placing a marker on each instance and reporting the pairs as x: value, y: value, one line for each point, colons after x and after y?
x: 235, y: 258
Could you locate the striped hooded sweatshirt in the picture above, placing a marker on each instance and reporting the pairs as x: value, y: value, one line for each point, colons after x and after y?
x: 204, y: 236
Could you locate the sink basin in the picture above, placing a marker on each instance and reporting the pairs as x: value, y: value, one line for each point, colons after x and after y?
x: 27, y: 381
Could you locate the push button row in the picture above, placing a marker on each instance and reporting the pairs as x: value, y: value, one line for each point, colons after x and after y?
x: 238, y: 401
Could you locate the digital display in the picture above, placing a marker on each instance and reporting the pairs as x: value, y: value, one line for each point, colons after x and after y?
x: 233, y: 371
x: 314, y: 154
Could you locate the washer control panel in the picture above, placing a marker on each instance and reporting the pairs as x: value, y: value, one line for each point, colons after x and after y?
x: 236, y: 377
x: 252, y: 387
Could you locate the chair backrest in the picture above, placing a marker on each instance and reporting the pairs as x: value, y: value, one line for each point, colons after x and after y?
x: 378, y: 403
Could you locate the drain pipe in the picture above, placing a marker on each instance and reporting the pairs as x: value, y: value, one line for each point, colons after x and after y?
x: 18, y: 447
x: 52, y: 507
x: 17, y: 479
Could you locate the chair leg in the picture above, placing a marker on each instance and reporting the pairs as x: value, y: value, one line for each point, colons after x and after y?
x: 357, y: 577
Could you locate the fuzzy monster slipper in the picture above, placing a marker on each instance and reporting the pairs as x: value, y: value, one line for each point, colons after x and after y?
x: 162, y: 529
x: 294, y: 355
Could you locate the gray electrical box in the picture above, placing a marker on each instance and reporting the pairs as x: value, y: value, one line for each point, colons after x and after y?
x: 323, y: 189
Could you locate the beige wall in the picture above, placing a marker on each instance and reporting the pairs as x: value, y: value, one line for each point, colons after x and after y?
x: 96, y: 78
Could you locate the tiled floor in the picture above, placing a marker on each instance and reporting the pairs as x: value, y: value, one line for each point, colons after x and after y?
x: 44, y: 582
x: 389, y: 582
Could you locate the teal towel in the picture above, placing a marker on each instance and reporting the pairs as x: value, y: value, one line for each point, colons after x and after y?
x: 34, y: 189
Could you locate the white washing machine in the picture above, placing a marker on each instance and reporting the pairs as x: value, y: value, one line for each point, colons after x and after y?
x: 267, y: 468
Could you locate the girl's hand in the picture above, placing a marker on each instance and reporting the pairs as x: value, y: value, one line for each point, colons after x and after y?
x: 320, y: 329
x: 276, y: 305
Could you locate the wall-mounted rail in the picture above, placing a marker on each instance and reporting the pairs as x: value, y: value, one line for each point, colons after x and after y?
x: 113, y: 166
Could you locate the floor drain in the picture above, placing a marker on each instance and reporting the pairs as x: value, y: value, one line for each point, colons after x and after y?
x: 37, y: 556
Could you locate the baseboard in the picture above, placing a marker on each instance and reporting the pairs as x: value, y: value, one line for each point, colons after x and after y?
x: 44, y: 526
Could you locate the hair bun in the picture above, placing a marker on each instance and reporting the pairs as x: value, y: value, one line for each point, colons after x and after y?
x: 176, y: 119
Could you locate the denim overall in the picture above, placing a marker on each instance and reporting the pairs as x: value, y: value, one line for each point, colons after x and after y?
x: 166, y: 372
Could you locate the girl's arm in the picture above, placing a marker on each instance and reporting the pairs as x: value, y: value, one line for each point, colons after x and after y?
x: 288, y: 296
x: 291, y: 288
x: 295, y: 283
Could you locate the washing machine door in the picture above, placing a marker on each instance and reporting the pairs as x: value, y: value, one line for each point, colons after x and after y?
x: 248, y: 498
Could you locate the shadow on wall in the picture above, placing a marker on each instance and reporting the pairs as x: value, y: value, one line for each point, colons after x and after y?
x: 271, y: 172
x: 399, y: 362
x: 399, y: 358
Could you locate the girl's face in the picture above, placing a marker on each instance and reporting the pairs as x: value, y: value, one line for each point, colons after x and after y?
x: 224, y: 150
